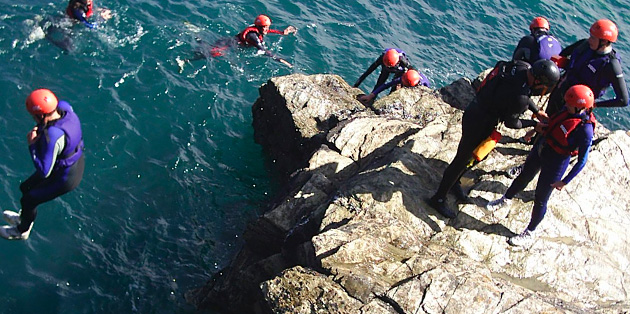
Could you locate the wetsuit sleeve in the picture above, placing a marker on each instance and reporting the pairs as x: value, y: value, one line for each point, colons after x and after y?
x: 45, y: 150
x: 512, y: 119
x: 585, y: 137
x: 275, y: 31
x: 387, y: 85
x: 615, y: 75
x: 369, y: 71
x: 523, y: 49
x: 253, y: 39
x: 80, y: 15
x: 424, y: 80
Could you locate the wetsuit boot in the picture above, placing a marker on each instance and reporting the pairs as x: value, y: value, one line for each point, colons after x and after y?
x: 439, y: 204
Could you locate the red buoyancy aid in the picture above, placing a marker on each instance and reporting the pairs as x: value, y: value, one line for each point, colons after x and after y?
x: 242, y: 36
x: 89, y: 11
x: 560, y: 127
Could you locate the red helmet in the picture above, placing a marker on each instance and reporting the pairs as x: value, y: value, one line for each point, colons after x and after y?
x: 262, y: 20
x: 411, y: 78
x: 539, y: 22
x: 390, y: 57
x: 579, y: 96
x: 41, y: 101
x: 605, y: 29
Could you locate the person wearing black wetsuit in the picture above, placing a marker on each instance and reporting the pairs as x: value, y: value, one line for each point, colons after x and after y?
x: 539, y: 44
x: 391, y: 61
x: 594, y: 63
x: 502, y: 97
x: 411, y: 78
x: 254, y: 35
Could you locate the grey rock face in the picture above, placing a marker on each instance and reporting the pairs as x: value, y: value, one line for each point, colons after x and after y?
x: 353, y: 233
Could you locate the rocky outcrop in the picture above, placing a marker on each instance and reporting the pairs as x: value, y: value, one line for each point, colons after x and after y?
x: 352, y: 232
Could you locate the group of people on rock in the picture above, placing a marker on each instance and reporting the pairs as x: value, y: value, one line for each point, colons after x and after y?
x: 575, y: 78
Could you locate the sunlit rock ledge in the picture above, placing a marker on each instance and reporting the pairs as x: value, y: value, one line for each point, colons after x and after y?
x: 351, y: 232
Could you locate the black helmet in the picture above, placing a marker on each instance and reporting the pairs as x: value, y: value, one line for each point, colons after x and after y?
x: 546, y: 72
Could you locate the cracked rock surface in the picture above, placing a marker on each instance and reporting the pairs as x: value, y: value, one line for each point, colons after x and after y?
x: 352, y: 233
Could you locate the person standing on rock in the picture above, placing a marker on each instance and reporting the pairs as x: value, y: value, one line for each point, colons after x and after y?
x: 502, y: 97
x: 56, y: 147
x: 391, y: 61
x: 592, y: 62
x: 539, y: 44
x: 411, y: 78
x: 569, y: 133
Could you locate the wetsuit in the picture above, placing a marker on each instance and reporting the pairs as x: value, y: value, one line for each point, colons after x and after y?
x: 58, y: 158
x: 398, y: 81
x: 251, y: 36
x: 502, y: 98
x: 80, y: 10
x: 540, y: 45
x: 597, y: 71
x: 553, y: 162
x: 402, y: 67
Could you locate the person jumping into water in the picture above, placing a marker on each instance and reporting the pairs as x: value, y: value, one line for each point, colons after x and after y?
x: 56, y: 147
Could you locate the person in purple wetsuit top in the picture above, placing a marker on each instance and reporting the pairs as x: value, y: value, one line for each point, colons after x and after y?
x: 592, y: 62
x: 410, y: 78
x: 391, y: 61
x: 539, y: 44
x: 56, y: 148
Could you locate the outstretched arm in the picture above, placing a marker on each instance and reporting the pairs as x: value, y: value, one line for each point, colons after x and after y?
x: 619, y: 86
x: 369, y: 71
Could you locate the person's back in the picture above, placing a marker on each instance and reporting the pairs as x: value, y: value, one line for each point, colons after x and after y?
x: 539, y: 44
x: 504, y: 95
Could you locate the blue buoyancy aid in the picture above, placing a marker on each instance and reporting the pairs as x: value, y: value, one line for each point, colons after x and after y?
x: 548, y: 46
x: 71, y: 126
x: 584, y: 68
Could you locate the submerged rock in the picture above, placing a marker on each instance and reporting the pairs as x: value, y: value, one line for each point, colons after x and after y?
x: 352, y: 232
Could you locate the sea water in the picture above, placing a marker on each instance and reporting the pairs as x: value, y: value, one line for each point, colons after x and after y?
x: 172, y: 171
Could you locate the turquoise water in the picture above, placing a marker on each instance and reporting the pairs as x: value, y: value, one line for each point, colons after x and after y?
x: 172, y: 171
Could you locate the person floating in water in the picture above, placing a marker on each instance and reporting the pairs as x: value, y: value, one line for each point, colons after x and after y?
x: 254, y: 35
x: 81, y: 10
x: 56, y: 147
x: 392, y: 60
x: 410, y: 78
